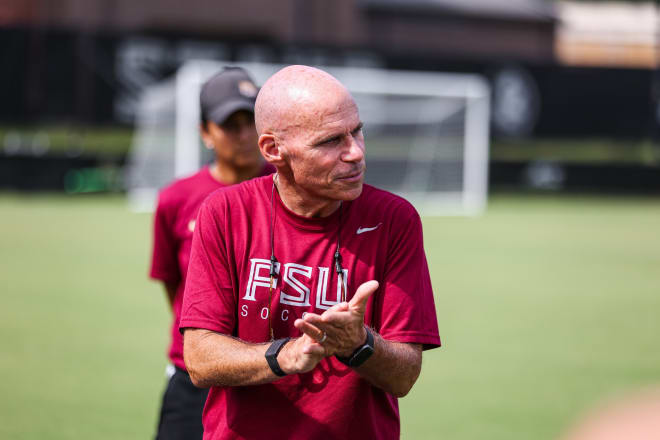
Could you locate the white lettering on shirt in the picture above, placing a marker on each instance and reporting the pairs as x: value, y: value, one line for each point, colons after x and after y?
x: 302, y: 299
x: 322, y: 301
x: 298, y: 280
x: 257, y: 267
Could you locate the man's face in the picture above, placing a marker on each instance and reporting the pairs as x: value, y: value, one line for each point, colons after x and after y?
x: 324, y: 150
x: 235, y: 140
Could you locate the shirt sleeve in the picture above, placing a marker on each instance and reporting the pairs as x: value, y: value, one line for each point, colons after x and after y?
x: 407, y: 311
x: 208, y: 300
x: 164, y: 265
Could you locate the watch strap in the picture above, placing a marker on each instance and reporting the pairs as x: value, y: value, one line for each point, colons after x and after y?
x: 354, y: 360
x: 271, y: 356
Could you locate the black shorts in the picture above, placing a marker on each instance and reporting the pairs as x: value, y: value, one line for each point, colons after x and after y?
x: 181, y: 411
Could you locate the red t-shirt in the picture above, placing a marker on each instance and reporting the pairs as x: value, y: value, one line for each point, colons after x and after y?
x: 174, y: 223
x: 227, y: 292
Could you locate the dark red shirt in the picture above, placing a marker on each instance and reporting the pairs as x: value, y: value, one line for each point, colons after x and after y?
x: 227, y: 292
x: 174, y: 222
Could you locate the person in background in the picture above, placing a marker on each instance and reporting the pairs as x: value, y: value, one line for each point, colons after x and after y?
x: 227, y: 127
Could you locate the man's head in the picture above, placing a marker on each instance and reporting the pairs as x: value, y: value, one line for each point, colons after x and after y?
x: 227, y: 117
x: 310, y: 130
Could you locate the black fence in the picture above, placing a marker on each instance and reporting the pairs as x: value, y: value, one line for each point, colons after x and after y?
x: 572, y: 177
x: 94, y: 174
x: 61, y: 172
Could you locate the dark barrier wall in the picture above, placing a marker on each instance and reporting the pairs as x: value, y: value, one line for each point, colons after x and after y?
x: 56, y: 75
x: 104, y: 174
x: 82, y: 174
x: 51, y: 75
x: 556, y: 176
x: 591, y: 101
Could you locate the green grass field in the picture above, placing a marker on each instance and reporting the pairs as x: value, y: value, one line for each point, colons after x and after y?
x: 546, y: 306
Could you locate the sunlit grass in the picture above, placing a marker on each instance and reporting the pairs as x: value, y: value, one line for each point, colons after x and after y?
x: 545, y: 305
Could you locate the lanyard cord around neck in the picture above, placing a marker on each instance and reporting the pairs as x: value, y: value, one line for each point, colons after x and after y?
x: 338, y: 267
x: 273, y: 260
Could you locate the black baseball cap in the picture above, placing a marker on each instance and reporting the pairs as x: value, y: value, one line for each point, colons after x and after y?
x: 225, y: 93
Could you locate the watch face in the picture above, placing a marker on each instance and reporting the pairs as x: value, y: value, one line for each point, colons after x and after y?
x: 361, y: 356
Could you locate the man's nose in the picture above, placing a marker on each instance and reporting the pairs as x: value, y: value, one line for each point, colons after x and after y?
x: 354, y: 151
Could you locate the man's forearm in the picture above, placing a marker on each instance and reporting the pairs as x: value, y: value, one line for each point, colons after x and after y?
x: 214, y: 359
x: 394, y: 366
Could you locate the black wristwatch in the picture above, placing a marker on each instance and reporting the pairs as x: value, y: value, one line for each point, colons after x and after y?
x: 271, y: 356
x: 361, y: 354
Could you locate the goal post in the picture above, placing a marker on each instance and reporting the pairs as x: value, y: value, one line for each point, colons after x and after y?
x: 426, y: 133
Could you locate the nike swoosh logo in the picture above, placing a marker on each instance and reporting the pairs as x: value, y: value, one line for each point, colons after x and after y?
x: 361, y: 230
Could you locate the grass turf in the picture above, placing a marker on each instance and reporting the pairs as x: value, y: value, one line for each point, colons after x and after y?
x: 546, y: 305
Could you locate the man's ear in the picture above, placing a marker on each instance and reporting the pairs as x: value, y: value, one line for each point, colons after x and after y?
x: 206, y: 136
x: 270, y: 149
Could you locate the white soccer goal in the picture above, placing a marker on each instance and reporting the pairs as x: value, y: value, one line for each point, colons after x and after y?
x: 426, y: 133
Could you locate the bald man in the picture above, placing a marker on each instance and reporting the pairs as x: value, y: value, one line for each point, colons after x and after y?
x: 308, y: 301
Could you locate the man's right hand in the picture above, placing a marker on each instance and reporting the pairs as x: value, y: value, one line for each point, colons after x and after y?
x: 300, y: 355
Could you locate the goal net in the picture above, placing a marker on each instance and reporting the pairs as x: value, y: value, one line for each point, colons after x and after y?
x: 426, y: 133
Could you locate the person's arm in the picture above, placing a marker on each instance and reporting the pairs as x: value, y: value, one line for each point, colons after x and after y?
x: 393, y: 367
x: 164, y: 263
x: 214, y: 359
x: 170, y: 291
